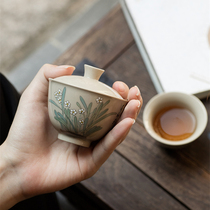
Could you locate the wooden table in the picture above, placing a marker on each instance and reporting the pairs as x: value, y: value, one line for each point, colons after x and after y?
x: 140, y: 174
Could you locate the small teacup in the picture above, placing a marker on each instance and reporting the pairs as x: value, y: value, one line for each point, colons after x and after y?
x: 177, y: 99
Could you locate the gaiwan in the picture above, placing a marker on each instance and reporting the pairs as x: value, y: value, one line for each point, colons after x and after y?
x: 83, y: 109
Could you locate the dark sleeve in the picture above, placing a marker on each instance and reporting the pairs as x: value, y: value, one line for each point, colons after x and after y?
x: 9, y: 99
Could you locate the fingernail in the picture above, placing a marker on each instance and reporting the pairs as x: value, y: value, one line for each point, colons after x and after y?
x: 134, y: 121
x: 138, y: 93
x: 139, y: 104
x: 65, y: 67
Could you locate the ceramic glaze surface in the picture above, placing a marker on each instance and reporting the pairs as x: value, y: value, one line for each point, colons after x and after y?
x: 89, y: 82
x: 82, y: 116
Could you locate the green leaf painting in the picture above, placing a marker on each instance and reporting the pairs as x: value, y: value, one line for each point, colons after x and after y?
x: 83, y: 120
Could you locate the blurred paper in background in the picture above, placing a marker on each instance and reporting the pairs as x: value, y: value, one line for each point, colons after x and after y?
x: 172, y: 37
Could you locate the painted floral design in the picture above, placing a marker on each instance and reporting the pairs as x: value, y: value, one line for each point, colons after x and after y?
x: 84, y: 120
x: 81, y: 111
x: 67, y: 104
x: 81, y: 122
x: 58, y: 93
x: 59, y: 99
x: 99, y: 100
x: 73, y: 112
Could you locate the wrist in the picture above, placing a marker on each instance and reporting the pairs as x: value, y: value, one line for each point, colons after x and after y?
x: 10, y: 192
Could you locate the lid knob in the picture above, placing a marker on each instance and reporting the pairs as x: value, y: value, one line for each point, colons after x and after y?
x: 93, y: 72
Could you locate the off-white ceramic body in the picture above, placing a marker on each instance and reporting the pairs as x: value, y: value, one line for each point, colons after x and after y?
x: 80, y: 115
x: 162, y: 100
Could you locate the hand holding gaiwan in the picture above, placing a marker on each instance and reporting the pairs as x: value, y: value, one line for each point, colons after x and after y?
x: 32, y: 152
x: 83, y: 109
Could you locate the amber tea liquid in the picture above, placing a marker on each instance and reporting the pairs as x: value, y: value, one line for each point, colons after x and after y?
x: 174, y: 123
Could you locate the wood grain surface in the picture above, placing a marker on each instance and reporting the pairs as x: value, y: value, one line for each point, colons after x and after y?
x: 141, y: 174
x: 123, y: 186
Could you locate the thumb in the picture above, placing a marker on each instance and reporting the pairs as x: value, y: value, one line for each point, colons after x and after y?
x: 38, y: 88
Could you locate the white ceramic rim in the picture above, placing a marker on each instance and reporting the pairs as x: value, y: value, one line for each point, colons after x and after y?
x: 188, y: 140
x: 121, y: 99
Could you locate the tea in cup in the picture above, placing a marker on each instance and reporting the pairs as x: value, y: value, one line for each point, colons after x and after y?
x: 175, y: 119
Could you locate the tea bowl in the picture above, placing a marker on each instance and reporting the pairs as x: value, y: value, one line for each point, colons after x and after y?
x: 83, y: 109
x: 163, y: 100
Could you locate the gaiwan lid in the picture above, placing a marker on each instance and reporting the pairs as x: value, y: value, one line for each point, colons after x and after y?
x: 89, y: 82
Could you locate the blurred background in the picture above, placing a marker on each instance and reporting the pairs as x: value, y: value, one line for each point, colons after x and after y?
x: 33, y: 33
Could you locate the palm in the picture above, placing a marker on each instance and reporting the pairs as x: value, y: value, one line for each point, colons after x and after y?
x: 59, y: 166
x: 48, y: 159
